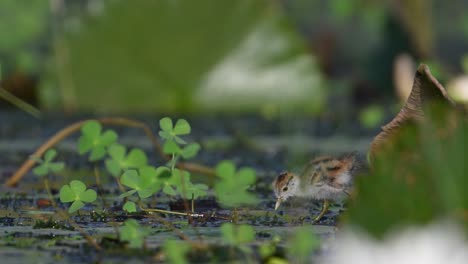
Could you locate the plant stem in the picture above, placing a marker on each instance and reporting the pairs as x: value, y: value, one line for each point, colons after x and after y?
x: 72, y: 222
x: 99, y: 186
x: 9, y: 97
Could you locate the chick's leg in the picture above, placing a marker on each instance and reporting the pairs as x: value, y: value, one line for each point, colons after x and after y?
x: 324, y: 210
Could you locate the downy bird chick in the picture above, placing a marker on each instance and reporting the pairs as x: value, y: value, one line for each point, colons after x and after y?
x: 324, y: 178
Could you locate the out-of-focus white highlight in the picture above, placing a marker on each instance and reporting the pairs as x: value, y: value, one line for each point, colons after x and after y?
x: 248, y: 72
x: 440, y: 243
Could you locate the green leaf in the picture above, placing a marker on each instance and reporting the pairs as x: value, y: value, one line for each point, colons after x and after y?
x: 245, y: 234
x: 182, y: 127
x: 170, y: 147
x: 117, y: 151
x: 176, y: 251
x: 169, y: 190
x: 108, y: 137
x: 56, y: 166
x: 132, y: 232
x: 246, y: 176
x: 129, y: 207
x: 303, y: 242
x: 41, y: 170
x: 113, y: 167
x: 50, y: 155
x: 190, y: 151
x: 75, y: 206
x: 148, y: 176
x: 97, y: 153
x: 130, y: 179
x: 227, y: 232
x: 88, y: 196
x: 91, y: 128
x: 77, y: 187
x: 225, y: 169
x: 76, y: 192
x: 165, y: 135
x: 126, y: 194
x: 145, y: 193
x: 371, y: 116
x: 85, y: 144
x: 166, y: 124
x: 66, y: 194
x: 179, y: 140
x: 136, y: 158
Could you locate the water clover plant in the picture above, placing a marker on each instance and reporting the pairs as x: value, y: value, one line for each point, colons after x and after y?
x: 46, y: 165
x: 231, y: 188
x: 119, y: 159
x: 95, y: 142
x: 179, y: 183
x: 143, y: 181
x: 76, y: 193
x: 172, y: 140
x: 129, y: 206
x: 134, y: 233
x: 169, y: 132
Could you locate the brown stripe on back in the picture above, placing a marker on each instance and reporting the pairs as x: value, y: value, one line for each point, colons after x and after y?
x: 322, y: 159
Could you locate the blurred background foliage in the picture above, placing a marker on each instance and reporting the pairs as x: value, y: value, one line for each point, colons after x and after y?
x: 265, y: 56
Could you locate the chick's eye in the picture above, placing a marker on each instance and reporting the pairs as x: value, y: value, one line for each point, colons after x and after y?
x: 285, y: 189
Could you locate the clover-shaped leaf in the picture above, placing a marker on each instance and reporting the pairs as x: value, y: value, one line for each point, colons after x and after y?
x: 77, y: 193
x: 93, y: 141
x: 176, y: 251
x: 129, y: 206
x: 145, y: 181
x: 134, y: 233
x: 195, y: 190
x: 170, y: 132
x: 46, y: 165
x: 231, y: 188
x: 190, y: 151
x: 237, y: 234
x: 119, y: 161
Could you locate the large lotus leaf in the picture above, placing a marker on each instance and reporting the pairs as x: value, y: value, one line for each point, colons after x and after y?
x: 188, y: 55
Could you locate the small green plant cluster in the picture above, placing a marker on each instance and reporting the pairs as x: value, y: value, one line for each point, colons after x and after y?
x: 140, y: 180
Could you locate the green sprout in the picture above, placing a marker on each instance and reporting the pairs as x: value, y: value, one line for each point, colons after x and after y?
x: 119, y: 161
x: 129, y: 206
x: 134, y: 233
x: 46, y: 165
x: 179, y: 183
x: 170, y: 134
x: 175, y: 251
x: 145, y: 181
x: 77, y: 193
x: 93, y: 141
x: 231, y: 189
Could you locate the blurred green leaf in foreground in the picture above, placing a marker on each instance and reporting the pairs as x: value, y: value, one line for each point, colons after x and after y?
x: 189, y: 55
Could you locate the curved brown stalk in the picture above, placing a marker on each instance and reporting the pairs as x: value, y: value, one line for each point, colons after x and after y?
x: 426, y: 89
x: 118, y: 121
